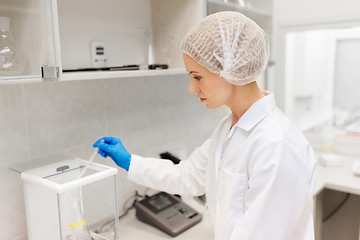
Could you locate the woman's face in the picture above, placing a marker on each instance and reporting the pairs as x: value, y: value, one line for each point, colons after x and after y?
x: 210, y: 88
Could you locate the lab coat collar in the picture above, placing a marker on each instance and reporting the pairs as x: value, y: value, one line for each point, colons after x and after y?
x: 257, y: 112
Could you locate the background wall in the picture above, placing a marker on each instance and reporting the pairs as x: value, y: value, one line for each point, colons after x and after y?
x: 46, y: 122
x: 307, y: 14
x: 123, y: 28
x: 308, y: 11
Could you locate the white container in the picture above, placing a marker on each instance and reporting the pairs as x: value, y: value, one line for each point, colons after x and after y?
x: 62, y: 206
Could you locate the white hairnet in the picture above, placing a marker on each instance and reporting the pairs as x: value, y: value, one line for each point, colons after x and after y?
x: 229, y: 44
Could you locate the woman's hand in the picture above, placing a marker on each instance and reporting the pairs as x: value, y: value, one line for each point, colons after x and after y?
x: 112, y: 147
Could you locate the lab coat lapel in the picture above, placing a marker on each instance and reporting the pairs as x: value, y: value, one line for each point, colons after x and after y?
x: 255, y: 114
x: 220, y: 145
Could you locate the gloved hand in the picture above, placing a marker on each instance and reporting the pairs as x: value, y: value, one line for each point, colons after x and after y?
x: 112, y: 147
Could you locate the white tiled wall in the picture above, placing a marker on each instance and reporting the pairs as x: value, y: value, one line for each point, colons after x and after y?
x: 46, y: 122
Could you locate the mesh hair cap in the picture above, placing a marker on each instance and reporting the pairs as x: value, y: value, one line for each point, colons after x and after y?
x: 229, y: 44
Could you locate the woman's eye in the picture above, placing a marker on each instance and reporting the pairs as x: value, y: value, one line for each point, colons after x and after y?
x: 197, y: 78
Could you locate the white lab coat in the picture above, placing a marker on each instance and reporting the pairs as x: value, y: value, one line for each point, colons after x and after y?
x: 258, y: 177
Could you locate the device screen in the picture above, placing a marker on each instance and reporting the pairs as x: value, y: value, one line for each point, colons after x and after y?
x: 160, y: 202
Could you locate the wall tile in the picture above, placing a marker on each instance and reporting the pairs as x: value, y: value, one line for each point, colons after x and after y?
x: 138, y: 103
x: 64, y: 114
x: 13, y: 138
x: 150, y: 113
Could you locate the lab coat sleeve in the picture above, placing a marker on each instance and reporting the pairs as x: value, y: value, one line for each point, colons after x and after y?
x: 278, y: 202
x: 185, y: 178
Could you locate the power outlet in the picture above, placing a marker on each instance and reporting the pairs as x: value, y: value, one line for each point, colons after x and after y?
x: 98, y: 56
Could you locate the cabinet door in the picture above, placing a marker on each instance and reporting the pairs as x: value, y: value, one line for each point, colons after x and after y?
x: 321, y: 76
x: 28, y: 39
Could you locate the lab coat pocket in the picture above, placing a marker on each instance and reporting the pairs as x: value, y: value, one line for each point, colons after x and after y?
x: 232, y: 189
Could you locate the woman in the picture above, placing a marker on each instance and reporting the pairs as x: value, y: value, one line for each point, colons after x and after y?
x: 257, y: 169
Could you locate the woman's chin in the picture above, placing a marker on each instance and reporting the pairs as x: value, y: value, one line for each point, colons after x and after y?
x: 211, y: 107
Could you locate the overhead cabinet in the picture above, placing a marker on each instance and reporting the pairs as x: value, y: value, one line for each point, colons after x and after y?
x: 130, y: 32
x: 69, y: 40
x: 61, y: 35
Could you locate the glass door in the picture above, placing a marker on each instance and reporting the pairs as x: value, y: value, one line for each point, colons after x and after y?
x: 321, y: 77
x: 27, y: 38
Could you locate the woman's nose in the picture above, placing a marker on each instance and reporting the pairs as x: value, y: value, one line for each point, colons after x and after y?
x: 193, y: 88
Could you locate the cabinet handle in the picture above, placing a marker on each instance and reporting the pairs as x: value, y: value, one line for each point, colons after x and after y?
x: 50, y: 72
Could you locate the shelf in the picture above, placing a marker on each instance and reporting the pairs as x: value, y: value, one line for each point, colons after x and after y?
x: 20, y: 80
x: 130, y: 34
x: 151, y: 33
x: 119, y: 74
x: 236, y: 6
x: 94, y: 75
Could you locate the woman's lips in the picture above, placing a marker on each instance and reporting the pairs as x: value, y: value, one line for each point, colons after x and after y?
x: 202, y: 99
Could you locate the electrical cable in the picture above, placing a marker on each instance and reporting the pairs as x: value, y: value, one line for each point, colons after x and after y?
x: 337, y: 208
x: 135, y: 198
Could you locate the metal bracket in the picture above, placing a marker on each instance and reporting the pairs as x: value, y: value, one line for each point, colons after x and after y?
x: 50, y: 72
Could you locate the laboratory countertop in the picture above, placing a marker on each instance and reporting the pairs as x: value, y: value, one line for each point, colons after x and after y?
x: 339, y: 178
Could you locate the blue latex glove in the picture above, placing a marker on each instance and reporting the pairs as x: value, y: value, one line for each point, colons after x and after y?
x: 112, y: 147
